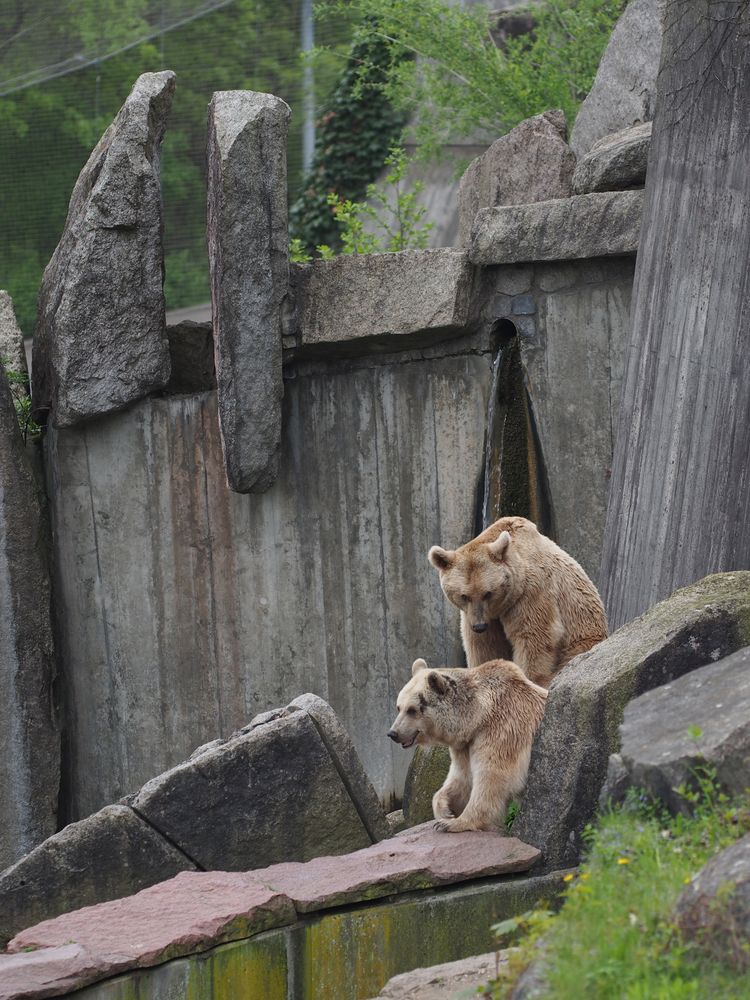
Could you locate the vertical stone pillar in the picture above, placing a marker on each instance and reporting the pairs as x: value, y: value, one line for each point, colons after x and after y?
x: 679, y: 504
x: 29, y: 735
x: 100, y: 342
x: 249, y: 262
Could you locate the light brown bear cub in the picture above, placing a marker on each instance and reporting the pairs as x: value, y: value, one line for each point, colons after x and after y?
x: 521, y: 598
x: 487, y: 716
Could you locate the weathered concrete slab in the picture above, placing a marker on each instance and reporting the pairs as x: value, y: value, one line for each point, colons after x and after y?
x: 667, y: 734
x: 186, y: 609
x: 605, y: 224
x: 376, y: 298
x: 415, y: 859
x: 680, y: 498
x: 248, y: 258
x: 271, y: 794
x: 29, y: 730
x: 624, y: 91
x: 615, y: 162
x: 105, y: 856
x: 100, y: 340
x: 696, y: 625
x: 533, y: 162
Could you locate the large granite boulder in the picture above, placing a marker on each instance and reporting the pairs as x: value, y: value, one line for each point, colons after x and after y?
x: 12, y: 352
x: 533, y: 162
x: 604, y: 224
x: 29, y: 730
x: 111, y: 854
x: 713, y: 912
x: 100, y: 341
x: 248, y: 257
x: 666, y: 734
x: 615, y: 162
x: 624, y: 91
x: 695, y: 626
x: 427, y: 772
x: 270, y: 793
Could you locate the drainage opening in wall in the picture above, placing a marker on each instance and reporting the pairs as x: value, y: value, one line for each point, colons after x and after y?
x: 514, y: 480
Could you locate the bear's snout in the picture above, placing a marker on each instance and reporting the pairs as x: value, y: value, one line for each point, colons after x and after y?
x: 393, y: 735
x: 480, y: 627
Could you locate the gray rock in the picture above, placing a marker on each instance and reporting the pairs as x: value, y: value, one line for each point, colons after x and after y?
x: 615, y: 162
x: 427, y: 772
x: 347, y: 763
x: 249, y: 262
x: 605, y: 224
x: 100, y: 340
x: 713, y: 912
x: 12, y: 352
x: 191, y: 351
x: 441, y: 982
x: 373, y: 298
x: 270, y: 795
x: 105, y: 856
x: 533, y: 162
x: 29, y: 732
x: 704, y: 622
x: 624, y: 91
x: 658, y: 752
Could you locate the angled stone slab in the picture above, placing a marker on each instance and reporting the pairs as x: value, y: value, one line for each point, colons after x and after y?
x: 415, y: 859
x: 186, y: 914
x: 695, y: 626
x: 346, y: 761
x: 376, y: 298
x: 624, y: 90
x: 533, y: 162
x: 659, y: 750
x: 248, y: 258
x: 29, y: 730
x: 100, y: 340
x: 111, y: 854
x: 605, y: 224
x: 271, y: 794
x: 616, y: 162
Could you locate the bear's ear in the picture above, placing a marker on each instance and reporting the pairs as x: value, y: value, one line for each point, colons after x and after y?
x: 417, y: 666
x: 438, y: 683
x: 441, y: 559
x: 499, y: 548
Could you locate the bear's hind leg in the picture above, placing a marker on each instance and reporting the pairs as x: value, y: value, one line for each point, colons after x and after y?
x: 451, y: 799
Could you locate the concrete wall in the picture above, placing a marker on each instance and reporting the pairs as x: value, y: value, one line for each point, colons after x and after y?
x: 184, y: 609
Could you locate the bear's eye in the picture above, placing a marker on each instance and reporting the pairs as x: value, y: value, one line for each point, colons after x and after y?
x: 487, y: 596
x: 411, y: 711
x: 465, y: 598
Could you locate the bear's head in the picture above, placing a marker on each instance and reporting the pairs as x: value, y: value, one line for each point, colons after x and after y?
x: 479, y: 578
x: 426, y: 707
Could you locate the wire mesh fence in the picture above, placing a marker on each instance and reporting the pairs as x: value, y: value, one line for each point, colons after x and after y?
x: 65, y: 69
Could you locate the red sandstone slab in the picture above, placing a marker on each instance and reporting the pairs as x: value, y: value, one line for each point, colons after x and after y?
x: 45, y: 973
x: 186, y: 914
x: 419, y: 858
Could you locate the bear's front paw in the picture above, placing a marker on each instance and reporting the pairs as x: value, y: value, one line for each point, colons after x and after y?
x: 449, y: 825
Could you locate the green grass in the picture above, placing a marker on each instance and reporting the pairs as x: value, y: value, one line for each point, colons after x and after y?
x: 613, y: 939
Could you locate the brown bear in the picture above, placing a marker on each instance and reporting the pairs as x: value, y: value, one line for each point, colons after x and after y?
x: 521, y: 598
x: 487, y: 716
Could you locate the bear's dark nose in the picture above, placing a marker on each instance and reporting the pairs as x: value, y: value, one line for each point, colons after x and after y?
x: 480, y: 627
x: 393, y: 735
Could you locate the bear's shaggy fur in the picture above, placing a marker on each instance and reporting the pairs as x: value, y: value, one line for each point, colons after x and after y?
x: 522, y: 598
x: 487, y: 716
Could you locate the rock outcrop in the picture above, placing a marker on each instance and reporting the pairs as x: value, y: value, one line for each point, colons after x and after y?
x: 533, y: 162
x: 616, y: 162
x: 695, y: 626
x: 248, y: 257
x: 100, y: 341
x: 12, y: 352
x: 667, y: 734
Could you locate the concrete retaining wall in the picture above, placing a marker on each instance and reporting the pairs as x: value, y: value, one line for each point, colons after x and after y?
x: 184, y: 609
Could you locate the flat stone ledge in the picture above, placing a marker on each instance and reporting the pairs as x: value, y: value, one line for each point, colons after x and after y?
x: 604, y: 224
x: 363, y: 298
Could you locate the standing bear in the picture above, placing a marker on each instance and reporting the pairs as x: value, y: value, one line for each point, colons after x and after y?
x: 487, y: 716
x: 521, y: 598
